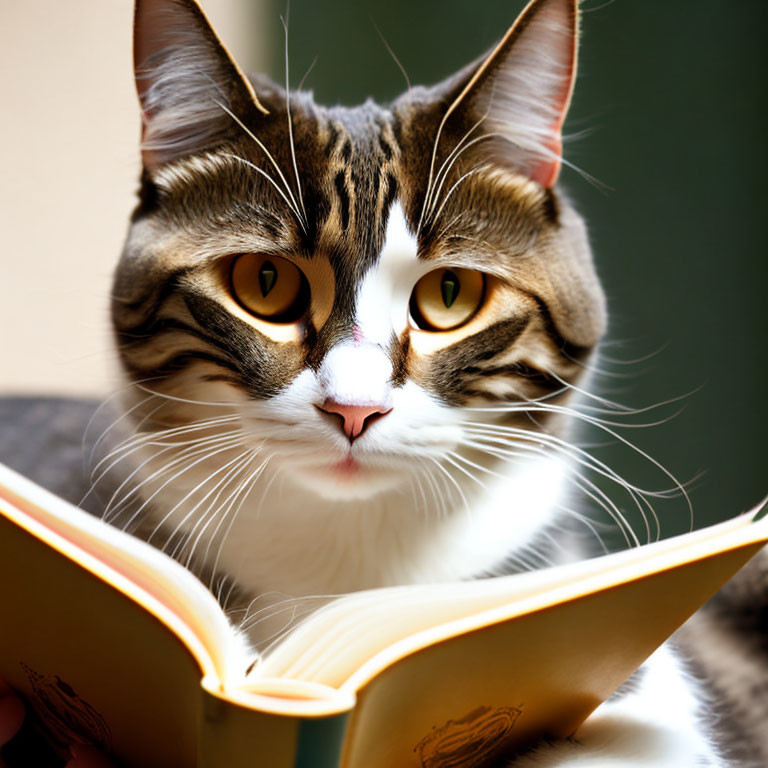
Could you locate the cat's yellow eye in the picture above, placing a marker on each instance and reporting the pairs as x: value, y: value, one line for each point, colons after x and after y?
x: 447, y: 298
x: 270, y: 287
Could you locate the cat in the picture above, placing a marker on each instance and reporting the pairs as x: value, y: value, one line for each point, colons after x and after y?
x: 348, y: 306
x: 353, y: 339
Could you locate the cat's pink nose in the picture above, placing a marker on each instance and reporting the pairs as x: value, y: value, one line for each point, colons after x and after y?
x: 355, y: 418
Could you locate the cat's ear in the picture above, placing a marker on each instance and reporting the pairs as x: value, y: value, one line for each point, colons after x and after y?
x: 188, y: 85
x: 522, y: 89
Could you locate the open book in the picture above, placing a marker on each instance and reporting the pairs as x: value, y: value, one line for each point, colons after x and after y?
x: 114, y: 643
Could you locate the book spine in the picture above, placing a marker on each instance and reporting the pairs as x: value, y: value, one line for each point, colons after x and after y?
x: 320, y: 741
x: 234, y: 736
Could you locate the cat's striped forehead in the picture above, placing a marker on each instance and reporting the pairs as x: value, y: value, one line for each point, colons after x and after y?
x: 328, y: 189
x: 361, y: 200
x: 359, y: 197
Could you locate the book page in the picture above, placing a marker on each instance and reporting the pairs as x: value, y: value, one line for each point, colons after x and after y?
x: 508, y: 683
x: 161, y: 585
x: 341, y: 637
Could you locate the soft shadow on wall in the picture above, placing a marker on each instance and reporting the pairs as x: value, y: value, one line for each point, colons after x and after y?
x: 669, y: 116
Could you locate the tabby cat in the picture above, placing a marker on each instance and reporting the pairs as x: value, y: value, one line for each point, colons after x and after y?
x: 353, y: 337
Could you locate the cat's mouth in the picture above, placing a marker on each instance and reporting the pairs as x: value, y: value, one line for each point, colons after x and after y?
x: 348, y: 477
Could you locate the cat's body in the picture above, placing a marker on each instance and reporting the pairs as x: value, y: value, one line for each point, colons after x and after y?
x: 353, y: 339
x: 662, y: 716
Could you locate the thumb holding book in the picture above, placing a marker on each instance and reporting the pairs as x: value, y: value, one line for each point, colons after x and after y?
x: 12, y: 717
x: 11, y: 713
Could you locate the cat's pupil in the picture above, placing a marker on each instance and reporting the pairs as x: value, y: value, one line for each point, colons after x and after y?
x: 449, y: 287
x: 267, y: 277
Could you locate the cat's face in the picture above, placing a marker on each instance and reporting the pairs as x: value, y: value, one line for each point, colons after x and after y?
x: 355, y: 283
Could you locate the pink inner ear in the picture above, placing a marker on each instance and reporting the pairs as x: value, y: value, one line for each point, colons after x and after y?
x: 546, y: 172
x: 535, y: 64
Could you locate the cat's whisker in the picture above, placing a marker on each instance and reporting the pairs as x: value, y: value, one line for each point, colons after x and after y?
x: 104, y: 403
x: 186, y: 454
x: 219, y: 589
x: 244, y: 487
x: 211, y: 514
x: 207, y: 455
x: 434, y: 490
x: 588, y: 461
x: 153, y: 457
x: 431, y: 216
x: 678, y: 485
x: 397, y: 61
x: 276, y: 608
x: 87, y: 463
x: 293, y: 204
x: 245, y: 610
x: 263, y: 173
x: 455, y: 186
x: 235, y: 475
x: 435, y: 145
x: 307, y: 73
x: 596, y: 493
x: 451, y: 457
x: 440, y: 486
x: 157, y: 436
x: 290, y: 122
x: 313, y: 602
x: 233, y: 466
x: 601, y: 498
x: 194, y: 490
x: 446, y: 166
x: 523, y: 562
x: 476, y: 466
x: 147, y: 439
x: 579, y: 414
x: 537, y: 551
x: 611, y: 408
x: 598, y: 370
x: 587, y: 523
x: 226, y: 598
x: 418, y: 486
x: 280, y: 631
x: 176, y: 399
x: 122, y: 453
x: 586, y: 393
x: 247, y: 485
x: 124, y: 415
x: 450, y: 477
x: 631, y: 361
x: 545, y: 437
x: 449, y: 225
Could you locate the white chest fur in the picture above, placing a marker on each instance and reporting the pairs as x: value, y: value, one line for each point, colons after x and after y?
x: 296, y: 543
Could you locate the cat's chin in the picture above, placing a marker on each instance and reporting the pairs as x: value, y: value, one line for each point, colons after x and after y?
x: 346, y: 479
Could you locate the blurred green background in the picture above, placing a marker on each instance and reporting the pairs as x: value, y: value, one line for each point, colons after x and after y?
x: 668, y: 115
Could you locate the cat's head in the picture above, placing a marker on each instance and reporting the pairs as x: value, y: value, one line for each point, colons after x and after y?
x: 345, y: 289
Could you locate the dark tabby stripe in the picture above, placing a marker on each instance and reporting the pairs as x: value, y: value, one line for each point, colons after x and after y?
x: 180, y: 361
x: 156, y: 295
x: 340, y: 184
x: 573, y: 352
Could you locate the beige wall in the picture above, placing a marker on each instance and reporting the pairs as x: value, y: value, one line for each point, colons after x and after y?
x: 68, y: 171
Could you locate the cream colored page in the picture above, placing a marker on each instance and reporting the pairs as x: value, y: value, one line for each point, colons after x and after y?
x: 508, y: 683
x: 93, y: 664
x: 144, y: 570
x: 343, y: 636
